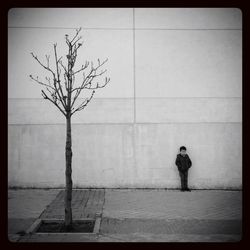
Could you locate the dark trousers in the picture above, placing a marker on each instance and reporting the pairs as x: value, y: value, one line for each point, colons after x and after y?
x: 184, y: 179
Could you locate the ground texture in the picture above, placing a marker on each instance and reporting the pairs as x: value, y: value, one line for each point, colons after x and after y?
x: 132, y: 215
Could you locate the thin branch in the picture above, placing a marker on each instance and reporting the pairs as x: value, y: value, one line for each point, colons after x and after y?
x: 47, y: 57
x: 90, y: 76
x: 84, y: 103
x: 82, y: 68
x: 42, y: 83
x: 77, y: 41
x: 67, y: 39
x: 60, y: 62
x: 99, y: 86
x: 54, y: 77
x: 46, y: 97
x: 100, y: 64
x: 59, y: 59
x: 78, y: 90
x: 51, y: 93
x: 90, y: 85
x: 61, y: 94
x: 88, y: 80
x: 77, y: 32
x: 47, y: 68
x: 54, y: 88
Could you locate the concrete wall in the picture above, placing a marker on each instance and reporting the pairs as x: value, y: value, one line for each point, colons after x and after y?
x: 175, y: 80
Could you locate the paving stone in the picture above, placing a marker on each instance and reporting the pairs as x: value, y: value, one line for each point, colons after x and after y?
x: 174, y: 226
x: 16, y: 225
x: 42, y: 238
x: 83, y: 204
x: 150, y: 237
x: 29, y: 203
x: 166, y: 204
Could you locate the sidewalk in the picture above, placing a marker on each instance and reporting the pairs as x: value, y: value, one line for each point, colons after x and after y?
x: 133, y: 215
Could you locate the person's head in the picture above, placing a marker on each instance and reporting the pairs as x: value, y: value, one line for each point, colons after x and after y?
x: 183, y: 150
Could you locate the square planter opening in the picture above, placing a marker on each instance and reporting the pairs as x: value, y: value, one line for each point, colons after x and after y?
x: 79, y: 226
x: 88, y: 226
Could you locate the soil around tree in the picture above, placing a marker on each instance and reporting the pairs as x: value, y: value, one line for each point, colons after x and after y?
x: 59, y: 227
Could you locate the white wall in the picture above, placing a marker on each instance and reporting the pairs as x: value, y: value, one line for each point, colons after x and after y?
x: 175, y: 80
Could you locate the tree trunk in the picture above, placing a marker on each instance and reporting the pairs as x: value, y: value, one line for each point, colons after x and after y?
x: 68, y: 171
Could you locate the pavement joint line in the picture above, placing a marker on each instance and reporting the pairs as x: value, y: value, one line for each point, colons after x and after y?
x: 97, y: 225
x: 49, y: 205
x: 51, y: 213
x: 65, y: 234
x: 34, y: 226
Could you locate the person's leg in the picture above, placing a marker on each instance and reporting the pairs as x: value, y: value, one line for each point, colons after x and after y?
x: 182, y: 180
x: 186, y: 181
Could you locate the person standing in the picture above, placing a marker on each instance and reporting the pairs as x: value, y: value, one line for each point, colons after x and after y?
x: 183, y: 164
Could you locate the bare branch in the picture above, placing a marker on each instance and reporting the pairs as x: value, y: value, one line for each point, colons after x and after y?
x: 67, y: 39
x: 79, y: 44
x: 77, y: 32
x: 47, y: 68
x: 97, y: 84
x: 54, y: 77
x: 100, y: 64
x: 65, y: 80
x: 82, y: 68
x: 78, y: 90
x: 47, y: 57
x: 51, y: 93
x: 61, y: 94
x: 54, y: 102
x: 88, y: 80
x: 59, y: 59
x: 91, y: 76
x: 42, y: 83
x: 83, y: 104
x: 47, y: 79
x: 54, y: 91
x: 65, y: 70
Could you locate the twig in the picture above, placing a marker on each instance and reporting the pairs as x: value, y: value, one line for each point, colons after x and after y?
x: 84, y: 103
x: 58, y: 79
x: 46, y: 97
x: 42, y: 83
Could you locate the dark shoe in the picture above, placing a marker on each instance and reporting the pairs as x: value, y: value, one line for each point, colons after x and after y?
x: 187, y: 189
x: 182, y: 190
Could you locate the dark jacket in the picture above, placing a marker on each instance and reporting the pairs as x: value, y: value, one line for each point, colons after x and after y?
x: 183, y: 162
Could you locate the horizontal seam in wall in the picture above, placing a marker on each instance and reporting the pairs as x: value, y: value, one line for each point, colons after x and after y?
x: 189, y: 97
x: 128, y: 123
x: 143, y: 97
x: 187, y: 29
x: 16, y: 27
x: 61, y: 28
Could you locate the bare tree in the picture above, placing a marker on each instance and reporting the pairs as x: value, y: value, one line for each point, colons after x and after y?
x: 60, y: 88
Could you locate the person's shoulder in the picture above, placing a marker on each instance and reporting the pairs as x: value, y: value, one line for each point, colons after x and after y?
x: 178, y: 155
